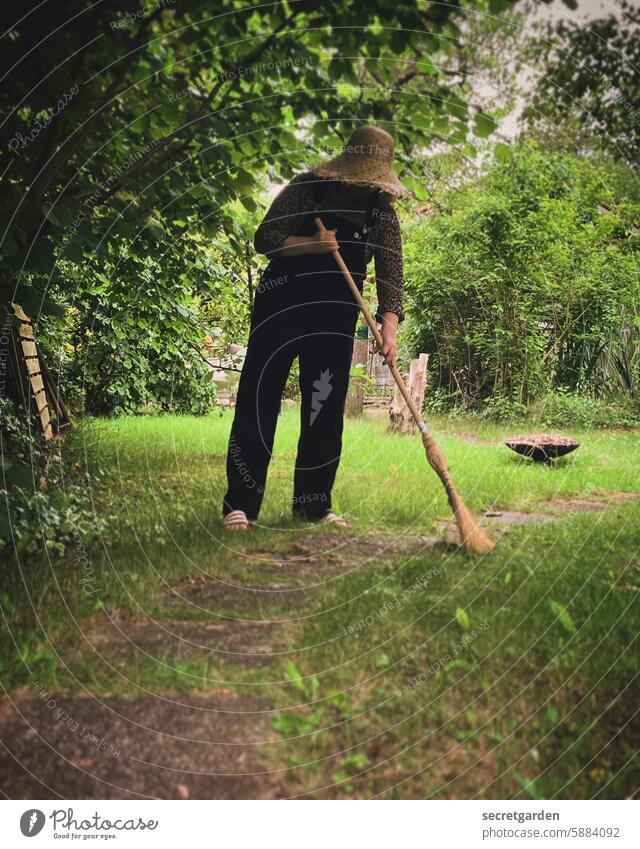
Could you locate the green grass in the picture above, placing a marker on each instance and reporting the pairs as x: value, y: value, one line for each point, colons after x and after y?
x: 169, y: 472
x: 510, y: 674
x: 528, y: 657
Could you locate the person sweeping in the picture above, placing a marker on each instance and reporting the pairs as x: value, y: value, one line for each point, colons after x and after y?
x: 304, y: 309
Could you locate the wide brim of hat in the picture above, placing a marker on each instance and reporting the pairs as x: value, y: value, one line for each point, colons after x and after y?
x: 364, y: 171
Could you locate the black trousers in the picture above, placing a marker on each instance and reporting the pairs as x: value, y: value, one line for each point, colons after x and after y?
x: 324, y: 365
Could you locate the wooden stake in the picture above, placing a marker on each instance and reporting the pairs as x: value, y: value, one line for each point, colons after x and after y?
x: 400, y: 414
x: 355, y: 395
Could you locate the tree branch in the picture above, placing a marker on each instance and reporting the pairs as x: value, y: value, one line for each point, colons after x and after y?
x: 72, y: 143
x: 143, y: 163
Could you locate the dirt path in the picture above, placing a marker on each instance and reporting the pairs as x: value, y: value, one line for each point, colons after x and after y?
x: 170, y: 745
x: 166, y: 744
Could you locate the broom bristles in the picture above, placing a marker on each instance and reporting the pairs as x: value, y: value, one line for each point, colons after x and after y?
x: 474, y: 539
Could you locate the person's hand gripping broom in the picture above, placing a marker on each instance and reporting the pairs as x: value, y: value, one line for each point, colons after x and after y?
x: 473, y: 538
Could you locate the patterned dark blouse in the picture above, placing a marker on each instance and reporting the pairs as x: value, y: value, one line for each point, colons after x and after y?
x: 308, y: 193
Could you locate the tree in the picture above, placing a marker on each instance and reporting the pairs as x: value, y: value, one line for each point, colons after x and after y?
x: 171, y: 111
x: 586, y: 94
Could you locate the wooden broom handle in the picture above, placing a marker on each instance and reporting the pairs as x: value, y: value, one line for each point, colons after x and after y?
x: 376, y: 333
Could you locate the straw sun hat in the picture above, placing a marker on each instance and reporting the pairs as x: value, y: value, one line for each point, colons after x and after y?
x: 366, y: 160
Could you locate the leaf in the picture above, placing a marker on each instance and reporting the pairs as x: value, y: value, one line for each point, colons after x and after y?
x: 529, y: 786
x: 293, y: 724
x: 154, y: 227
x: 458, y: 136
x: 484, y: 125
x: 417, y: 186
x: 20, y: 476
x: 470, y: 151
x: 455, y: 664
x: 292, y: 674
x: 48, y: 213
x: 64, y: 215
x: 249, y: 203
x: 347, y: 91
x: 503, y: 153
x: 336, y: 68
x: 462, y: 618
x: 73, y: 250
x: 553, y: 714
x: 455, y: 105
x: 564, y: 616
x: 5, y: 604
x: 427, y: 66
x: 356, y: 761
x: 498, y: 6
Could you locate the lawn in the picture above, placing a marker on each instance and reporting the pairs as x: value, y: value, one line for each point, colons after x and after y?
x: 395, y: 665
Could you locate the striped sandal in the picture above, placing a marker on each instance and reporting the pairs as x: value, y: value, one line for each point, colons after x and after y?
x: 236, y: 521
x: 332, y: 519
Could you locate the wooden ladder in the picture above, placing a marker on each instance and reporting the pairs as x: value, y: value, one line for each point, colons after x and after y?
x: 44, y: 394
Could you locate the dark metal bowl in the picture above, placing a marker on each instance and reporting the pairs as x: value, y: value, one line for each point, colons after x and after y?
x: 541, y: 447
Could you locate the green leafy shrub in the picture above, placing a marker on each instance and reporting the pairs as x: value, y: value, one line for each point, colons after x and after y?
x: 501, y: 409
x: 441, y: 402
x: 44, y: 502
x: 566, y: 409
x: 525, y: 279
x: 134, y: 337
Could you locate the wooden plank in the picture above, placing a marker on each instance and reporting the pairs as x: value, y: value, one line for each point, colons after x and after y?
x: 37, y: 383
x: 29, y: 348
x: 20, y: 313
x: 45, y: 420
x: 33, y: 365
x: 41, y: 400
x: 25, y: 331
x: 56, y: 403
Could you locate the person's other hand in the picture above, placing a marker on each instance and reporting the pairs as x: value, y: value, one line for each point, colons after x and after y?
x: 324, y: 242
x: 320, y: 243
x: 389, y: 349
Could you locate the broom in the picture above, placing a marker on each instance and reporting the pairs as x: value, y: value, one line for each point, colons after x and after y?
x: 473, y: 537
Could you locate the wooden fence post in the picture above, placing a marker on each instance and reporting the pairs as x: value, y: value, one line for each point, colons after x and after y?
x: 355, y: 395
x: 399, y: 414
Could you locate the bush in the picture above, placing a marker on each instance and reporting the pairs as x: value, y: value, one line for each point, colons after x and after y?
x: 501, y: 409
x: 136, y: 354
x: 45, y: 503
x: 566, y: 409
x: 441, y: 402
x: 524, y: 280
